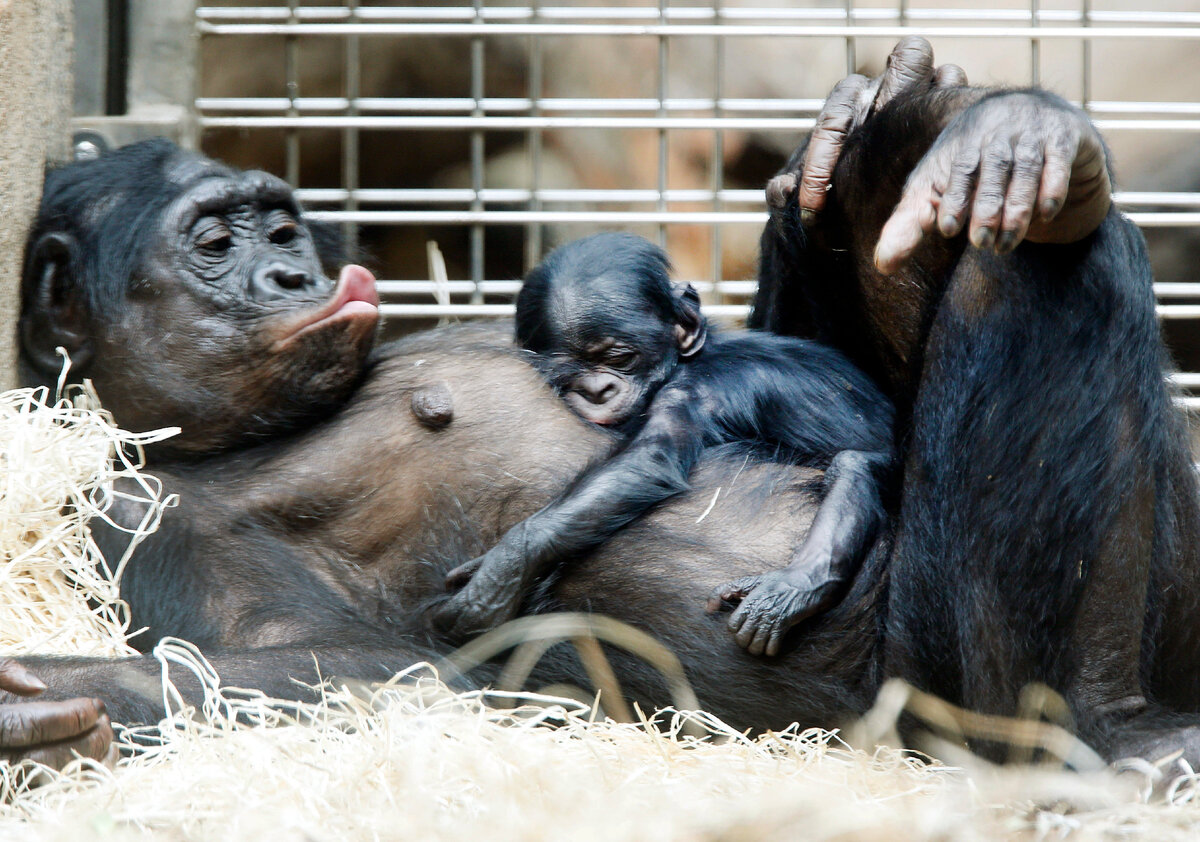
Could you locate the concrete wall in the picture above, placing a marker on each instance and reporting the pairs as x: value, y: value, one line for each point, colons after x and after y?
x: 35, y: 111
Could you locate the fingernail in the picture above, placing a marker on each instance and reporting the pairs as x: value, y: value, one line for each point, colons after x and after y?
x: 984, y: 238
x: 948, y: 226
x: 808, y: 217
x: 1007, y: 242
x: 1049, y: 208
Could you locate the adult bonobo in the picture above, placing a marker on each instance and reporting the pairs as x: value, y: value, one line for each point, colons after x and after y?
x: 318, y: 534
x: 1048, y: 525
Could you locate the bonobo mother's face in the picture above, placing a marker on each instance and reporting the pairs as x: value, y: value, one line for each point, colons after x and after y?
x: 227, y: 326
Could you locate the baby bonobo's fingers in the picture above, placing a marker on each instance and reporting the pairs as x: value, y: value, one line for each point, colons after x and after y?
x: 835, y: 121
x: 730, y: 594
x: 459, y: 576
x: 909, y: 65
x: 950, y: 76
x: 15, y: 678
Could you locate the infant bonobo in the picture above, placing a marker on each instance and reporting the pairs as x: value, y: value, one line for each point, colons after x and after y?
x: 628, y: 350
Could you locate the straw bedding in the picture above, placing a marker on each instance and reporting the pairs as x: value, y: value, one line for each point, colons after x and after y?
x: 411, y: 760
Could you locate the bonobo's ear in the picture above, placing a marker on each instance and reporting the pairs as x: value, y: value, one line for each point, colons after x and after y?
x: 691, y: 329
x: 53, y: 315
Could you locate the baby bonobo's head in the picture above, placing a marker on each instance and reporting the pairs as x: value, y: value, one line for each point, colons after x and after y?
x: 607, y: 324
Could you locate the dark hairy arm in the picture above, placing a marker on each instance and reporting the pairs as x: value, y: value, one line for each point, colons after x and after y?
x: 653, y: 466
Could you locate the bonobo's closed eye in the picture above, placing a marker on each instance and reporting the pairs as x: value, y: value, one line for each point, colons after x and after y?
x: 608, y: 323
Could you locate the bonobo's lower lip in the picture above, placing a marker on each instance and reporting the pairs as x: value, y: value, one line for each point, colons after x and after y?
x: 354, y: 299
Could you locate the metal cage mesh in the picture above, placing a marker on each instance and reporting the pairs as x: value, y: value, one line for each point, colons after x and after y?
x: 690, y: 92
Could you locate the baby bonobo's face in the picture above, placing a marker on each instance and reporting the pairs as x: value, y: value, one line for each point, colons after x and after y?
x: 607, y: 325
x: 609, y: 380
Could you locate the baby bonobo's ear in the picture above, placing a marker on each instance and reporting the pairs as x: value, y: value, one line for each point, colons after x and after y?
x: 691, y: 329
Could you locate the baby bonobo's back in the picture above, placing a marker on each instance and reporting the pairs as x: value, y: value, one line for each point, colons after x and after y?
x: 628, y: 350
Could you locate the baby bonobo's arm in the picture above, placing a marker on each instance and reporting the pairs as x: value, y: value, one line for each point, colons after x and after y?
x: 651, y: 467
x: 811, y: 400
x: 840, y: 536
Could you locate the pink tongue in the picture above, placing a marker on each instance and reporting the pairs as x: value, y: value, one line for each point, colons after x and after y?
x: 357, y: 284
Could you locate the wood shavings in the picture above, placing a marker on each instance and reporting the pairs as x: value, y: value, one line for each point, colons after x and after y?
x: 60, y: 456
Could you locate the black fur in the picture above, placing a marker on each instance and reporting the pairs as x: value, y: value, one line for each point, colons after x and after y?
x: 611, y: 331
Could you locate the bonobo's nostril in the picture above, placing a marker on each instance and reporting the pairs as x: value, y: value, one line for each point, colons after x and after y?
x: 290, y: 278
x: 598, y: 390
x: 277, y: 277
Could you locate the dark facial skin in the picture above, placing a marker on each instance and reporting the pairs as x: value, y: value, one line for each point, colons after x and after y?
x: 605, y: 340
x: 230, y: 290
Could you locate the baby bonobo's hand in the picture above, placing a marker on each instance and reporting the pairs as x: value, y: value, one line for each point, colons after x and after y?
x: 492, y: 587
x: 770, y: 604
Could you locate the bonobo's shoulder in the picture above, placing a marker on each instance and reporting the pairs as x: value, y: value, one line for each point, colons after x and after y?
x: 751, y: 347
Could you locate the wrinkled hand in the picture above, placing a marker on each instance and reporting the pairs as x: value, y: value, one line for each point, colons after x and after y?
x: 770, y: 604
x: 492, y: 587
x: 50, y: 733
x: 910, y: 66
x: 1014, y: 166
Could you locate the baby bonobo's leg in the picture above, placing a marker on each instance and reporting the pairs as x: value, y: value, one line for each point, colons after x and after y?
x: 821, y: 570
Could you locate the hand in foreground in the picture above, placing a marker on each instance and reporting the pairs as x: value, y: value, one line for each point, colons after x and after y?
x: 770, y: 604
x: 50, y: 733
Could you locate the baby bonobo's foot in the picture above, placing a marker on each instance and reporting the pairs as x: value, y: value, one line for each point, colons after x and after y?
x: 770, y: 604
x: 492, y: 587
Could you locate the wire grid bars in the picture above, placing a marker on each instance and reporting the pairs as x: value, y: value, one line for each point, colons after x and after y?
x: 499, y: 130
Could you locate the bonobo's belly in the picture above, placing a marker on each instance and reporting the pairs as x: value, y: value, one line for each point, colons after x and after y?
x: 380, y: 502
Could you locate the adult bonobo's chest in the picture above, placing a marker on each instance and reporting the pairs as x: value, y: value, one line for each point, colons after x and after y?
x: 450, y: 439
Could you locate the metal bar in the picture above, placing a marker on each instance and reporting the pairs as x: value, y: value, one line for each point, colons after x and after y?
x: 1182, y: 32
x: 416, y: 105
x: 733, y: 288
x: 474, y: 217
x: 1123, y: 199
x: 663, y: 149
x: 481, y: 122
x: 744, y: 289
x: 292, y: 143
x: 491, y: 217
x: 521, y: 195
x: 533, y: 231
x: 509, y: 123
x: 739, y: 311
x: 477, y: 159
x: 903, y: 14
x: 435, y: 311
x: 511, y: 104
x: 717, y: 164
x: 350, y: 146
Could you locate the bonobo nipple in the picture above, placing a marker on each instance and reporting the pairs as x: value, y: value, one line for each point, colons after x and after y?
x: 433, y: 405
